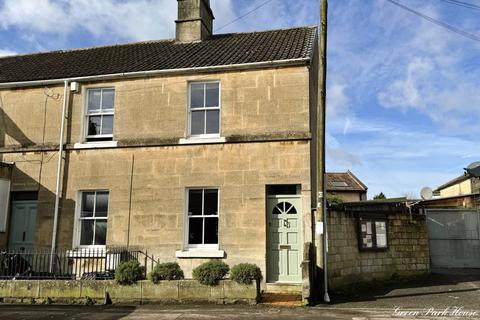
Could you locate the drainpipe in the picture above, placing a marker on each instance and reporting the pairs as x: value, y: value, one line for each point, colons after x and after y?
x: 326, y: 297
x: 323, y: 91
x: 59, y: 170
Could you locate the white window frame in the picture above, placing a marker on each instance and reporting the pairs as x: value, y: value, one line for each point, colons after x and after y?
x: 187, y: 220
x: 78, y: 220
x: 108, y: 112
x: 219, y: 108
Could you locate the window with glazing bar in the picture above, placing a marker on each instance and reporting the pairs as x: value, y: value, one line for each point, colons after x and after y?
x: 204, y: 109
x: 99, y: 115
x: 93, y: 218
x: 202, y: 217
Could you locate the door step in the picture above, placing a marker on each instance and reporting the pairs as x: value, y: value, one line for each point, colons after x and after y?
x: 282, y: 299
x: 284, y: 288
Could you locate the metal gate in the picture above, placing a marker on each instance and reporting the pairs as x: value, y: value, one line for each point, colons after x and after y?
x: 454, y: 238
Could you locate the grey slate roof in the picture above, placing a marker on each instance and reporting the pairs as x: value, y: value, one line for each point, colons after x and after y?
x: 219, y: 50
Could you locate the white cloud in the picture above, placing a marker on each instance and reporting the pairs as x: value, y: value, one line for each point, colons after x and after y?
x: 337, y: 100
x: 41, y: 15
x: 342, y: 157
x: 5, y: 52
x: 140, y: 19
x: 406, y: 63
x: 410, y: 158
x: 405, y: 93
x: 133, y: 20
x: 430, y: 76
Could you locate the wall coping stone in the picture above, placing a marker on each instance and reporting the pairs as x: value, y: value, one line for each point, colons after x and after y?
x: 107, y: 291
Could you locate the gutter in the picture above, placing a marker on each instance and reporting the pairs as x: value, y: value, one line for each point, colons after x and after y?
x: 152, y: 73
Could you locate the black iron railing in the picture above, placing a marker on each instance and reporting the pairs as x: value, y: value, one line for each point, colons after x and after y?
x: 87, y: 264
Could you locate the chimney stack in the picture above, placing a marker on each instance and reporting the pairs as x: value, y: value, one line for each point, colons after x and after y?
x: 195, y: 20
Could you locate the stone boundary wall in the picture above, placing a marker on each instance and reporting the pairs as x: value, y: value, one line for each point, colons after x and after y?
x: 101, y: 291
x: 407, y: 254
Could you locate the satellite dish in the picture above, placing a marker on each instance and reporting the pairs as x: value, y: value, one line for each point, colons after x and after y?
x: 426, y: 193
x: 473, y: 169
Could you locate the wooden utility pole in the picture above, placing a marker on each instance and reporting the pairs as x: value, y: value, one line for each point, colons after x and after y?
x: 321, y: 173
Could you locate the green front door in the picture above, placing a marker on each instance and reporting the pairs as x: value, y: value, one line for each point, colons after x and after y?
x: 284, y: 242
x: 22, y: 226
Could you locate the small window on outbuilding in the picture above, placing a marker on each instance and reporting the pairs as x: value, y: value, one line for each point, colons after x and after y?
x: 372, y: 233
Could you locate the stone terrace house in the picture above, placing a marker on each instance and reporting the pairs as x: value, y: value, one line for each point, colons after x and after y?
x: 205, y: 146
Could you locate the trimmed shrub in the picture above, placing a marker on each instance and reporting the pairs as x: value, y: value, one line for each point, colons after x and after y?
x: 246, y: 273
x: 211, y: 272
x: 166, y: 271
x: 128, y: 272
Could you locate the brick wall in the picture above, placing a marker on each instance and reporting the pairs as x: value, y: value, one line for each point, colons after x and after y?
x: 407, y: 252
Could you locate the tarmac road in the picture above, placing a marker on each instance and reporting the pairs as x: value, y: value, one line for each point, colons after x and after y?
x: 183, y: 312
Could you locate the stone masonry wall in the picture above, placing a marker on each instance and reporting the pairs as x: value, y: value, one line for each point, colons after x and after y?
x: 153, y: 111
x: 407, y: 252
x: 157, y: 202
x: 265, y: 120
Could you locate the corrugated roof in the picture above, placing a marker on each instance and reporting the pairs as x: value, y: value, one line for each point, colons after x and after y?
x: 344, y: 181
x: 219, y: 50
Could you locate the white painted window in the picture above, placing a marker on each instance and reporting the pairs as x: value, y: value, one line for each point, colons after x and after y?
x: 202, y: 217
x: 204, y: 109
x: 4, y: 201
x: 92, y: 218
x: 99, y: 114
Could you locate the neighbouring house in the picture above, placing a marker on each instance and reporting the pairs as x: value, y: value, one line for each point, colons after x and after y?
x: 346, y: 186
x: 376, y: 240
x: 204, y: 146
x: 451, y: 202
x: 462, y: 185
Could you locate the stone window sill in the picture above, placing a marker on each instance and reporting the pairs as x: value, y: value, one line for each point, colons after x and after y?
x: 200, y: 140
x: 95, y: 145
x: 200, y: 253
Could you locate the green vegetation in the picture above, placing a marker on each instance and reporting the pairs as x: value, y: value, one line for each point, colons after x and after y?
x: 211, y: 272
x: 128, y: 272
x: 246, y: 273
x: 379, y: 196
x: 166, y: 271
x: 333, y: 199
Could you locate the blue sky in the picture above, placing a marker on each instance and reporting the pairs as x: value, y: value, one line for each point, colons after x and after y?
x: 402, y: 92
